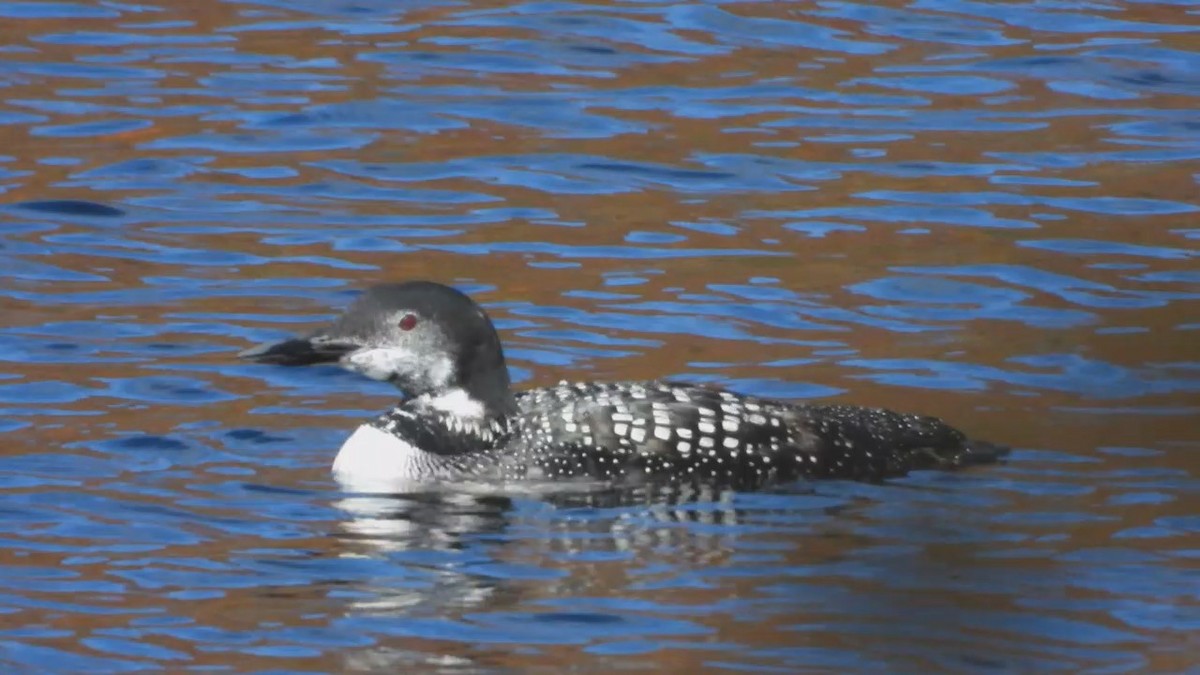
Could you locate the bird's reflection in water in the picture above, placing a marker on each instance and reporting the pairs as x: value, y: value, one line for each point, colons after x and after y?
x: 493, y: 567
x: 448, y: 519
x: 440, y: 536
x: 472, y: 540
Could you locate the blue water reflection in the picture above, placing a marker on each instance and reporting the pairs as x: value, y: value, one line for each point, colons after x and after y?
x: 981, y: 211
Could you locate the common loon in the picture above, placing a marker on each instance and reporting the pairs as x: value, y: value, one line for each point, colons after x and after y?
x: 462, y: 420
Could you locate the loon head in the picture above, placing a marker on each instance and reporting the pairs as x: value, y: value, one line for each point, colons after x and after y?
x: 429, y: 340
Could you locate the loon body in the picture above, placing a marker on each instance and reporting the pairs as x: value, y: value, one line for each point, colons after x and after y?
x: 462, y: 420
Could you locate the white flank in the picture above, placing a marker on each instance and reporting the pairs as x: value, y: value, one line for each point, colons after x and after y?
x: 372, y: 460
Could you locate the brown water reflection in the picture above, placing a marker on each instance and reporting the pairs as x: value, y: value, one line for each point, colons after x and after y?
x: 982, y: 212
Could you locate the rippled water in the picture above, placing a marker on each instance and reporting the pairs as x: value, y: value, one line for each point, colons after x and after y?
x: 983, y: 211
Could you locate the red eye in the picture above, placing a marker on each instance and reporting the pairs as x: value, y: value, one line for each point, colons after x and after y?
x: 408, y: 322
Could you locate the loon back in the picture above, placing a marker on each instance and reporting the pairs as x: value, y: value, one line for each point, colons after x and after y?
x: 463, y: 421
x: 652, y: 430
x: 637, y: 432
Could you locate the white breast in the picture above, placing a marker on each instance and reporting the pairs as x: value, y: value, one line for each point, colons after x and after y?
x: 372, y: 460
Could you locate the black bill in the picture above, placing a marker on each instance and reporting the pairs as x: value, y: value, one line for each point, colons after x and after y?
x: 299, y: 351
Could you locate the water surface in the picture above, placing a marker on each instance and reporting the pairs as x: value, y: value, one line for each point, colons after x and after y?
x: 982, y: 211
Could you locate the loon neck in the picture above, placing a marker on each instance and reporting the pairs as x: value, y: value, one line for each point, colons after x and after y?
x: 478, y: 394
x: 458, y: 404
x: 479, y: 386
x: 447, y: 425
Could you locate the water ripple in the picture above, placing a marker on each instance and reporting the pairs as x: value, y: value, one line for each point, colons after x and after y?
x: 980, y: 211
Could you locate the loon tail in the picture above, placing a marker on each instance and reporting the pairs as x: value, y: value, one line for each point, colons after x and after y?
x: 975, y: 453
x: 876, y: 444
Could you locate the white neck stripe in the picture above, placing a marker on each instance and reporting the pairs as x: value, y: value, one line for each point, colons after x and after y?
x: 458, y: 403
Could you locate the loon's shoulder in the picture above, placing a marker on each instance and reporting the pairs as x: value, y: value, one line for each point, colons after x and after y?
x: 687, y: 430
x: 662, y: 391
